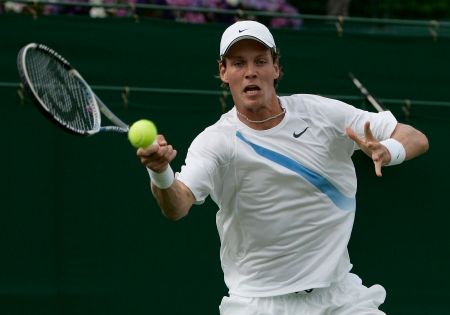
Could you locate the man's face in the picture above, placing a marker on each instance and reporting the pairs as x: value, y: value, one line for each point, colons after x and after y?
x: 250, y: 73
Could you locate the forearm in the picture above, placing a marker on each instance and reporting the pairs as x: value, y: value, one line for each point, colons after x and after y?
x: 174, y: 198
x: 174, y: 201
x: 414, y: 141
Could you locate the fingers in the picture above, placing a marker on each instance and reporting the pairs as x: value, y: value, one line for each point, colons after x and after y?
x: 370, y: 146
x: 158, y: 155
x: 380, y: 155
x: 367, y: 132
x: 161, y: 140
x: 377, y: 158
x: 378, y: 169
x: 352, y: 135
x: 368, y: 136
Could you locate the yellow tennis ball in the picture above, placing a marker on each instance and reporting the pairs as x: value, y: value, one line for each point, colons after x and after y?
x: 142, y: 133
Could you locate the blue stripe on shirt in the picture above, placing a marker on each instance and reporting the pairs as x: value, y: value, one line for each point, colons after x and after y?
x: 340, y: 200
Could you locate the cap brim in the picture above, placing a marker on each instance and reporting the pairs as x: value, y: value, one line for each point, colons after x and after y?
x: 241, y: 38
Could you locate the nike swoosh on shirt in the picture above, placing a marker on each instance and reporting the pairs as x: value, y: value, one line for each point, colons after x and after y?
x: 296, y: 135
x: 317, y: 180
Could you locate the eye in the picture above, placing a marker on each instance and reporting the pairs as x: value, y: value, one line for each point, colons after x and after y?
x: 238, y: 63
x: 261, y: 62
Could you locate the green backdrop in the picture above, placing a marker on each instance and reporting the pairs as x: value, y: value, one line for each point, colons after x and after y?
x: 79, y: 230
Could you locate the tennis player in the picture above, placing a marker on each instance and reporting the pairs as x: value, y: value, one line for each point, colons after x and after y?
x: 281, y: 173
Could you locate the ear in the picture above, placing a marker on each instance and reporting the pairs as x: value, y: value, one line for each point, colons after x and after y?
x: 277, y: 70
x: 223, y: 72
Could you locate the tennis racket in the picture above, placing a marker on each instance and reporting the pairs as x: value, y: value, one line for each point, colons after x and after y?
x: 62, y: 94
x: 366, y: 93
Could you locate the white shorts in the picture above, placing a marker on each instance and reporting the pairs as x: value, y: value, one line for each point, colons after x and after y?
x: 347, y: 297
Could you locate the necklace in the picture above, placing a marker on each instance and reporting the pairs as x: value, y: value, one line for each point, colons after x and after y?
x: 283, y: 111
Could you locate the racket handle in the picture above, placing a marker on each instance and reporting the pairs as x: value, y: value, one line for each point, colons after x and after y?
x: 113, y: 128
x: 105, y: 110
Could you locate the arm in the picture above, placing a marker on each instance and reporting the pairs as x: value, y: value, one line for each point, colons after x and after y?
x: 414, y: 142
x: 175, y: 200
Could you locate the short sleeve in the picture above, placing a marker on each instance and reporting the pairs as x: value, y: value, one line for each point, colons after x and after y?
x: 207, y: 154
x: 341, y: 115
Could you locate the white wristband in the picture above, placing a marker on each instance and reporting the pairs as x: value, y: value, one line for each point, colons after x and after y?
x: 162, y: 180
x: 396, y: 149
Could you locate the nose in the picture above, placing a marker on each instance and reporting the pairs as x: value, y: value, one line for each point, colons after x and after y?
x: 250, y: 71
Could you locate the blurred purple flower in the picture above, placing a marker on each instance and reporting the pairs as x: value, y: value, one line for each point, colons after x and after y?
x: 193, y: 17
x: 216, y: 4
x: 278, y: 22
x: 183, y: 3
x: 262, y: 5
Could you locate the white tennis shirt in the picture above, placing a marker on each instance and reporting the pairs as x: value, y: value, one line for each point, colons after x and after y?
x: 286, y: 195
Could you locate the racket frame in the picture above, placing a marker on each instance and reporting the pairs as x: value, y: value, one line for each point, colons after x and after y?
x: 366, y: 93
x: 97, y: 105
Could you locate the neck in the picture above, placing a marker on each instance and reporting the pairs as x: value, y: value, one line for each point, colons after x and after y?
x: 265, y: 120
x: 283, y: 111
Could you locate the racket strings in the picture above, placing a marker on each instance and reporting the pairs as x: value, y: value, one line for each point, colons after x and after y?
x: 62, y: 92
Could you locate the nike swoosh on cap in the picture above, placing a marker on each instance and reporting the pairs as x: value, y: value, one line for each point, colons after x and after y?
x: 240, y: 31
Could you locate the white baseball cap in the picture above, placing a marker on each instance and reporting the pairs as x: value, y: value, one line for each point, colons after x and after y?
x: 245, y: 30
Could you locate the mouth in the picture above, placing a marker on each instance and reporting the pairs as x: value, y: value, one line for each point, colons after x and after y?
x: 252, y: 89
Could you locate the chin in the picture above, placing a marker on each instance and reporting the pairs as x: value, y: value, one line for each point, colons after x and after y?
x: 250, y: 102
x: 252, y: 98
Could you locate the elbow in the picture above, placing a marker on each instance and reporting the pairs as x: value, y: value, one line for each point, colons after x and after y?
x: 425, y: 146
x: 414, y: 140
x: 175, y: 215
x: 418, y: 147
x: 423, y: 143
x: 175, y: 202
